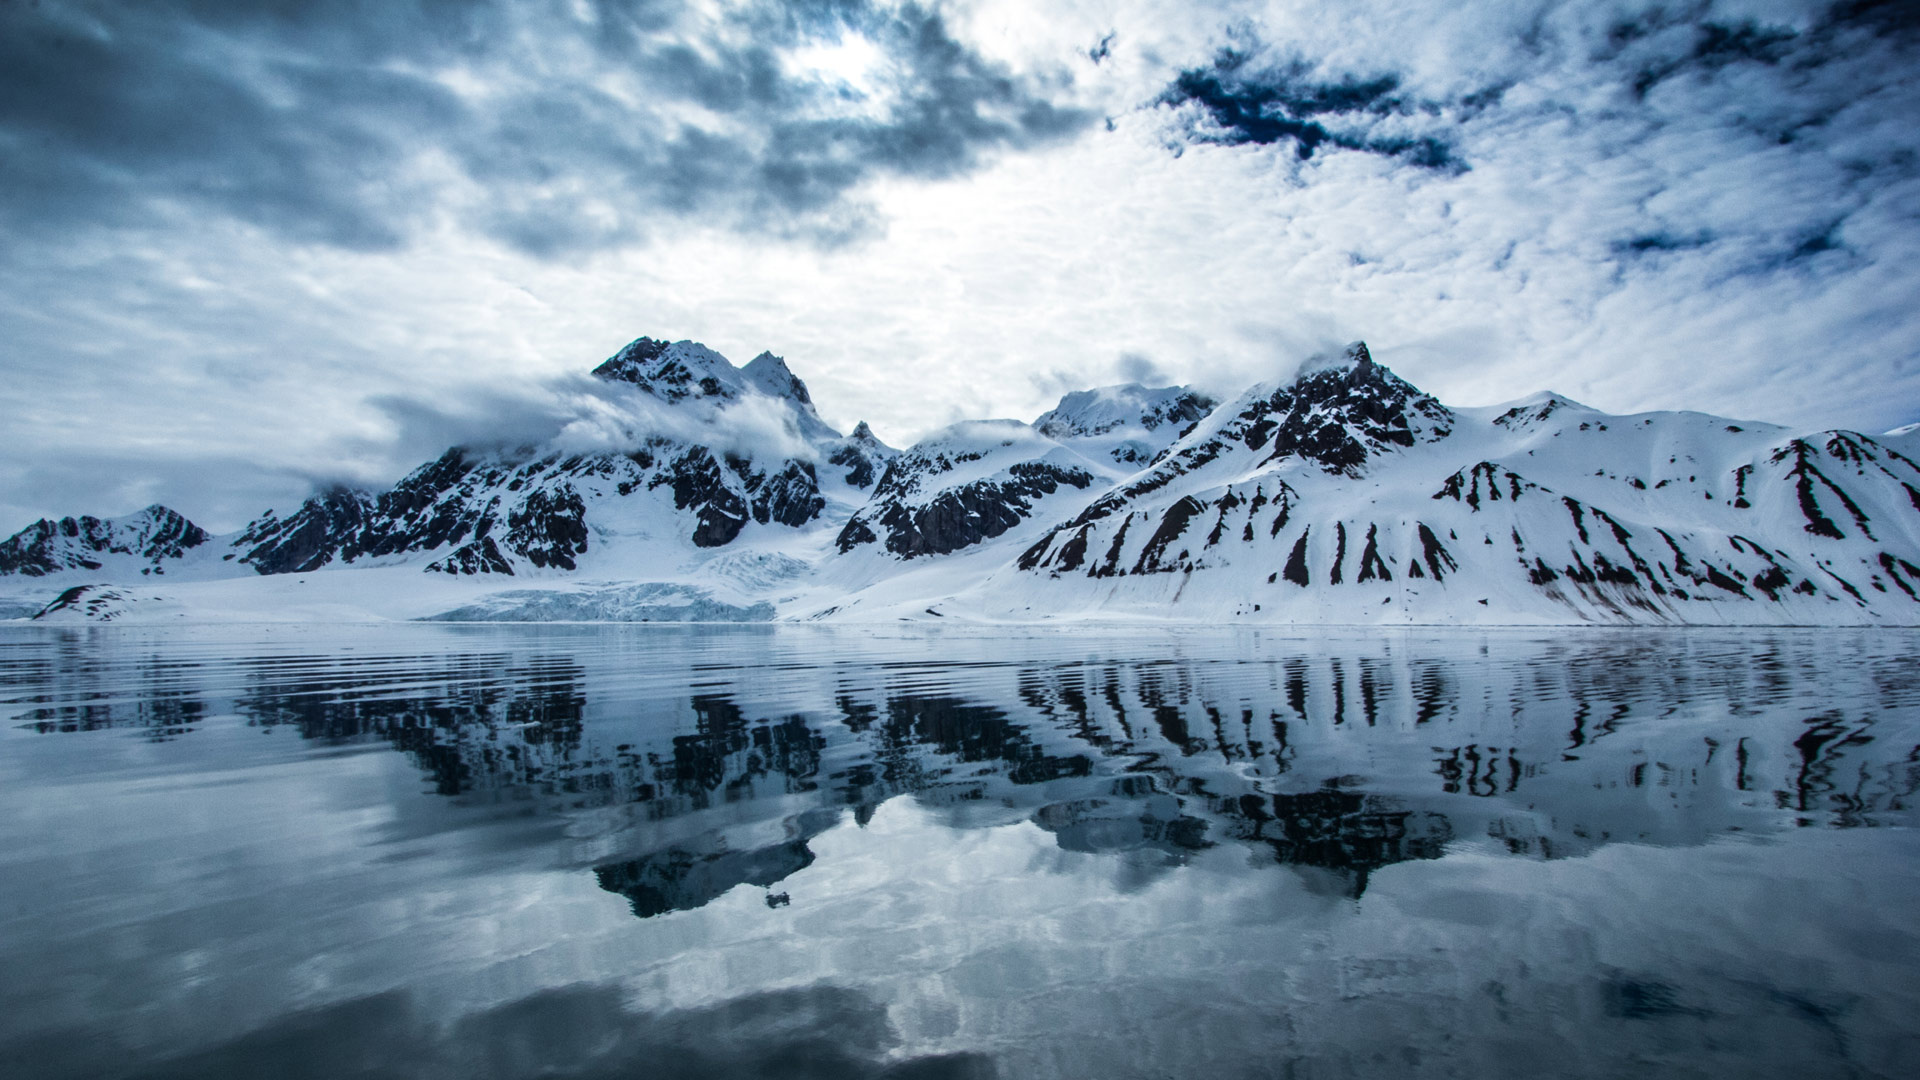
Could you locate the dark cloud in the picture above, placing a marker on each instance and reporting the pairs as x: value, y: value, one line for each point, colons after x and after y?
x: 355, y: 124
x: 1140, y: 368
x: 1705, y: 46
x: 1799, y: 99
x: 107, y: 120
x: 1244, y: 103
x: 1654, y: 243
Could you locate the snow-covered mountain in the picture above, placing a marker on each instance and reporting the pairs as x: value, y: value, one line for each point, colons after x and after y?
x: 974, y: 481
x: 1339, y: 494
x: 1128, y: 425
x: 691, y: 473
x: 140, y: 544
x: 1348, y: 490
x: 964, y: 485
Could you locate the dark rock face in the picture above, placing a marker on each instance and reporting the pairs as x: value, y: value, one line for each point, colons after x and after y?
x: 481, y: 556
x: 700, y: 485
x: 491, y: 512
x: 154, y: 535
x: 1809, y: 480
x: 307, y: 539
x: 1178, y: 537
x: 790, y: 497
x: 1337, y: 416
x: 863, y: 456
x: 1186, y: 409
x: 958, y: 517
x: 1172, y: 525
x: 98, y: 603
x: 550, y: 527
x: 860, y: 468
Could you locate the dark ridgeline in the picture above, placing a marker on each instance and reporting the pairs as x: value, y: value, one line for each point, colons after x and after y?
x: 153, y: 536
x: 1345, y: 761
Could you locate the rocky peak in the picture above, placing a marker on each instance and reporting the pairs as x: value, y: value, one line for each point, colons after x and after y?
x: 1356, y: 353
x: 673, y: 372
x: 1336, y: 414
x: 153, y: 535
x: 864, y: 457
x: 1086, y: 413
x: 771, y: 374
x: 633, y: 362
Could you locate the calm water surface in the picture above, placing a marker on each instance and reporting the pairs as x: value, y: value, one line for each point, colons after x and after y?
x: 657, y: 852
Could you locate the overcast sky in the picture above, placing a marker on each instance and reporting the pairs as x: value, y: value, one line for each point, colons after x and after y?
x: 250, y: 246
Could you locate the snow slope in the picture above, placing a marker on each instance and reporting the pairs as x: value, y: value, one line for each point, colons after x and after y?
x: 1349, y: 496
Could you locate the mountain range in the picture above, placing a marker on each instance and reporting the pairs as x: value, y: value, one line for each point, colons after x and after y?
x: 1339, y: 494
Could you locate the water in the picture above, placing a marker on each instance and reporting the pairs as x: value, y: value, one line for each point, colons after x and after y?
x: 705, y: 852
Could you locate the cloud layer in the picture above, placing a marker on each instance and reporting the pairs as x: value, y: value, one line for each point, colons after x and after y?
x: 252, y: 245
x: 552, y: 127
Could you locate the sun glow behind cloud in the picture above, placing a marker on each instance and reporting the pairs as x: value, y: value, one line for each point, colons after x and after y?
x: 851, y: 67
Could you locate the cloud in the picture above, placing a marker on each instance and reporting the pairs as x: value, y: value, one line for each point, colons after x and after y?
x: 1135, y: 367
x: 554, y: 128
x: 255, y: 245
x: 1239, y: 102
x: 579, y: 414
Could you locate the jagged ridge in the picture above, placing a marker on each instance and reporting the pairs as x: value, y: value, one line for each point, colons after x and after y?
x: 1344, y: 493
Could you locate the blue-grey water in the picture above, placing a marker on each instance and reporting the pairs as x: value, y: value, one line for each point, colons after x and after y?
x: 449, y: 851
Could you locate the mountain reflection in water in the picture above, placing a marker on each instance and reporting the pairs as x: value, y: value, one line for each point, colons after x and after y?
x: 685, y: 769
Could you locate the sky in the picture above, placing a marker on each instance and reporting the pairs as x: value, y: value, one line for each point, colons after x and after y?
x: 251, y: 247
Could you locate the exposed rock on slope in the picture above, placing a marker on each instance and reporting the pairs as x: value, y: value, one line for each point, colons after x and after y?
x: 1125, y: 424
x: 863, y: 456
x: 1349, y: 491
x: 976, y: 481
x: 970, y: 483
x: 149, y: 540
x: 502, y: 510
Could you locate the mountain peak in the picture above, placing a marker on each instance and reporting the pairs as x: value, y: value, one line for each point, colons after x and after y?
x: 152, y: 535
x: 675, y: 371
x: 771, y: 374
x: 1129, y: 406
x: 1356, y: 353
x: 633, y: 360
x: 864, y: 456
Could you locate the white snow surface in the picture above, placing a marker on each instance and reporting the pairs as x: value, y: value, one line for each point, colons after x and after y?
x: 1541, y: 511
x: 1126, y: 424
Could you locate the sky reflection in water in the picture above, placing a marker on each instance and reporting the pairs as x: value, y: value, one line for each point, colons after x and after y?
x: 748, y: 852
